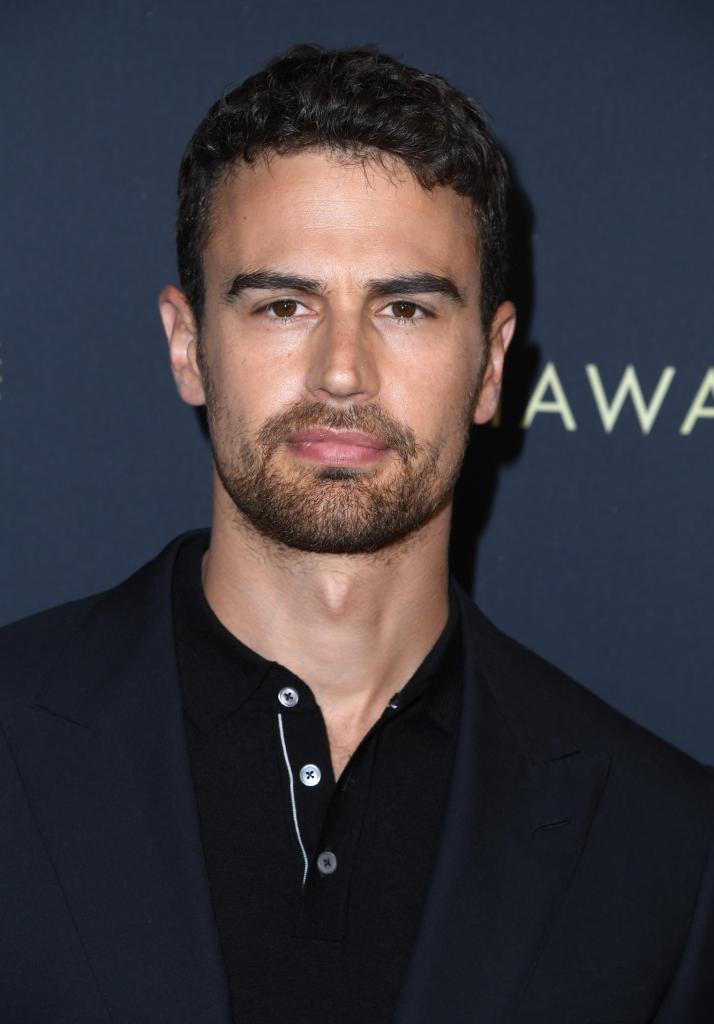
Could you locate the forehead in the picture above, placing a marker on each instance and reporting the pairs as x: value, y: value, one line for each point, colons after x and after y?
x: 316, y: 206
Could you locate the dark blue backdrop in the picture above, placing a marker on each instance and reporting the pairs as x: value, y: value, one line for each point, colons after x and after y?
x: 595, y: 544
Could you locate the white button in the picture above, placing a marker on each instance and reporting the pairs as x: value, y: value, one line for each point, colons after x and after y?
x: 326, y: 862
x: 310, y: 775
x: 288, y: 697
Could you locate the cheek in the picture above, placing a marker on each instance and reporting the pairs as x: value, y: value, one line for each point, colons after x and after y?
x: 253, y: 381
x: 436, y: 404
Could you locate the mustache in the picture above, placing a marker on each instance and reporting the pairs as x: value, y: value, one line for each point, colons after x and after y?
x: 370, y: 419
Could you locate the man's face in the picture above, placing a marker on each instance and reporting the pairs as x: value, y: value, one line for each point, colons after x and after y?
x: 342, y: 357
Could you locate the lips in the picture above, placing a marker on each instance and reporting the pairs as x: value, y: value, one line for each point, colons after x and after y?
x: 322, y: 435
x: 336, y: 447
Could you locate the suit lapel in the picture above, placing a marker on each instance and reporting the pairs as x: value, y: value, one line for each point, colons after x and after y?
x: 519, y: 812
x: 103, y: 761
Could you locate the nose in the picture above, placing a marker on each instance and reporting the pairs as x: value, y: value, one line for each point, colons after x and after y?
x: 343, y: 364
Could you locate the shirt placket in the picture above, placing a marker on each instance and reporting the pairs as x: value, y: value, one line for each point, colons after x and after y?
x: 325, y: 818
x: 305, y: 756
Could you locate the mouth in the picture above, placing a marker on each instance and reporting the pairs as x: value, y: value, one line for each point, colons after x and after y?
x: 336, y: 447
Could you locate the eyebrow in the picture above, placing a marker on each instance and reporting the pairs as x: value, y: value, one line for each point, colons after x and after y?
x: 415, y: 284
x: 269, y: 280
x: 407, y: 284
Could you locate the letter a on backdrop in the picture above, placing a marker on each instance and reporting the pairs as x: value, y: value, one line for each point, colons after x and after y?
x: 698, y: 410
x: 549, y: 381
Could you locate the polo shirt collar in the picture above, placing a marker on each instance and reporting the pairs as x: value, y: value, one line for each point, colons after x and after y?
x: 218, y: 673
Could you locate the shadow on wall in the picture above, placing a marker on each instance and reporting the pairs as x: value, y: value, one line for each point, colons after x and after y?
x: 491, y: 448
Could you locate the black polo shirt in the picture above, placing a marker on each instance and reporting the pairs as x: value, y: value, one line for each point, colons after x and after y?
x: 317, y: 886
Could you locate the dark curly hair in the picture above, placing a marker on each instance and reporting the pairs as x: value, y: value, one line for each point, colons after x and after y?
x: 365, y: 104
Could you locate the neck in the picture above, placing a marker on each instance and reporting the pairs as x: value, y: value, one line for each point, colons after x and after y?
x: 353, y: 627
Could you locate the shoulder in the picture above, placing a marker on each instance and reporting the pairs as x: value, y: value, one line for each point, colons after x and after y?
x: 29, y: 646
x: 32, y: 647
x: 549, y: 711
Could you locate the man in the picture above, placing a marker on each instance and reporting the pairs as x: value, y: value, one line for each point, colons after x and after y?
x: 287, y: 771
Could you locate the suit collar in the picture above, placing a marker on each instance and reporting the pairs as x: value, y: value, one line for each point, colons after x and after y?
x: 535, y: 705
x: 128, y: 631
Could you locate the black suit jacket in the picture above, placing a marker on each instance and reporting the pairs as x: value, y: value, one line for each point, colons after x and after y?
x: 573, y: 882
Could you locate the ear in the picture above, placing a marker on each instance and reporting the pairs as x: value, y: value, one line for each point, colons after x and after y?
x: 182, y: 336
x: 502, y: 327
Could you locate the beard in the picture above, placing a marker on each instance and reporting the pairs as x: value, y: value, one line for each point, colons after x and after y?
x: 330, y: 509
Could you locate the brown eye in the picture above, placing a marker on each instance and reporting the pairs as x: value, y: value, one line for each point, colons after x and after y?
x: 404, y: 310
x: 284, y: 308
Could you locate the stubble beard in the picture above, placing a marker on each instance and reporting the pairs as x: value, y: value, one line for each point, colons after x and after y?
x: 326, y: 509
